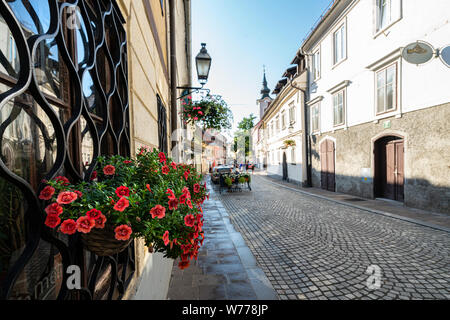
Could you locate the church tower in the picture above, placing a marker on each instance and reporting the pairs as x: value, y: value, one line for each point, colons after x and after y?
x: 265, y: 99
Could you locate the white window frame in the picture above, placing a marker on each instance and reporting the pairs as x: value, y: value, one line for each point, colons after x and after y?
x: 384, y: 87
x: 292, y: 117
x: 315, y: 130
x: 394, y: 9
x: 342, y: 33
x: 316, y: 65
x: 343, y: 107
x: 283, y: 119
x: 293, y: 157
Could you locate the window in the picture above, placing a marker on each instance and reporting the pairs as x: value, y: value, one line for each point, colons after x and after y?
x: 340, y: 44
x: 292, y: 114
x: 387, y: 12
x: 293, y: 155
x: 277, y: 123
x: 283, y: 120
x: 315, y: 118
x: 386, y: 89
x: 315, y: 69
x: 339, y: 108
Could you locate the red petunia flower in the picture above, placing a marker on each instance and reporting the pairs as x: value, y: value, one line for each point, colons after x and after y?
x: 166, y: 238
x: 196, y: 188
x: 66, y: 197
x: 158, y: 211
x: 94, y: 175
x: 79, y: 193
x: 123, y: 192
x: 122, y: 204
x: 127, y: 161
x: 52, y: 221
x: 63, y: 180
x: 100, y: 222
x: 173, y: 204
x: 123, y: 232
x: 183, y: 264
x: 148, y: 188
x: 171, y: 194
x: 109, y: 170
x: 189, y: 220
x: 68, y: 227
x: 93, y: 214
x: 189, y: 203
x: 54, y: 209
x: 85, y: 224
x: 183, y: 198
x: 47, y: 193
x: 162, y: 157
x: 165, y: 170
x: 186, y: 174
x: 173, y: 165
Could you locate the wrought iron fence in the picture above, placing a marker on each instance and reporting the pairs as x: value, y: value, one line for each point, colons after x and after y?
x: 63, y: 102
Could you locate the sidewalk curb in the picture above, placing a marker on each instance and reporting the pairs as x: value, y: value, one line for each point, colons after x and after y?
x: 384, y: 213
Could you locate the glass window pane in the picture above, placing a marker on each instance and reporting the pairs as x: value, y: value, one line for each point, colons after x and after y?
x: 389, y: 97
x: 390, y: 74
x: 27, y: 11
x: 380, y: 79
x: 380, y: 100
x: 9, y: 64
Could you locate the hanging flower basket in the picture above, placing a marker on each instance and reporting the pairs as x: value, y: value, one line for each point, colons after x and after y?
x: 192, y: 112
x: 289, y: 143
x: 103, y: 243
x: 150, y: 197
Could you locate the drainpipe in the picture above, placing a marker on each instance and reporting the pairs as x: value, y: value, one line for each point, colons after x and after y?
x: 173, y: 74
x: 306, y: 167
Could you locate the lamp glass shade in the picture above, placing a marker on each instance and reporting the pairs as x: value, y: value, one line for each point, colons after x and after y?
x: 203, y: 63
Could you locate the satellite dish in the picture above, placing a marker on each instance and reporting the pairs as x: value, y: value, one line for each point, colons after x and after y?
x: 444, y: 55
x: 418, y: 52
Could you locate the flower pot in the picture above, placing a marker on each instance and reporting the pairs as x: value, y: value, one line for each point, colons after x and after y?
x: 102, y: 242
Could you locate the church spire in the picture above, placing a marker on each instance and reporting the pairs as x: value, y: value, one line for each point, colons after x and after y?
x: 265, y: 90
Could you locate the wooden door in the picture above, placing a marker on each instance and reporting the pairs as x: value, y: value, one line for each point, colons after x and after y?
x: 394, y: 174
x: 327, y: 165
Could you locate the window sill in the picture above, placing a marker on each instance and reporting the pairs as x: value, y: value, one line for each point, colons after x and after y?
x: 382, y: 31
x: 338, y: 63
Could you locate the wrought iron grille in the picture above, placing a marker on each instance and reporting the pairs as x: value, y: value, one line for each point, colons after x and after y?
x: 63, y: 102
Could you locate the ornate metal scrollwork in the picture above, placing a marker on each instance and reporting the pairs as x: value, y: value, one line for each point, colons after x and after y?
x: 63, y: 102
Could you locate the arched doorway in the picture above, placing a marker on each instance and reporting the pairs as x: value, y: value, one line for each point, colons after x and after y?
x: 389, y: 168
x: 285, y: 167
x: 327, y: 165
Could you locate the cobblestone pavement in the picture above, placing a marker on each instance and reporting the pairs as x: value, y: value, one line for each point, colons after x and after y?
x: 311, y: 248
x: 225, y: 270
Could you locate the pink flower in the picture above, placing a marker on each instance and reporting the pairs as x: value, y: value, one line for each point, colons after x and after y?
x: 122, y: 204
x: 100, y: 222
x: 66, y: 197
x: 158, y: 211
x: 162, y: 157
x: 123, y: 191
x: 166, y: 238
x: 52, y: 221
x: 165, y: 170
x: 189, y: 220
x: 123, y: 232
x: 196, y: 188
x: 94, y: 214
x: 68, y: 227
x: 109, y: 170
x: 85, y: 224
x: 47, y: 193
x: 173, y: 204
x: 54, y: 209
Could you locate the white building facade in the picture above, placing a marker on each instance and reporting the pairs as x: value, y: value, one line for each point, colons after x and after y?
x: 378, y: 125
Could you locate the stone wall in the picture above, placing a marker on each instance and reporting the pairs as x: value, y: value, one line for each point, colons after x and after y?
x: 427, y: 157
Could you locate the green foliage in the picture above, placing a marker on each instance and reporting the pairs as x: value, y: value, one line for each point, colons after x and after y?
x: 148, y: 179
x: 215, y: 113
x: 247, y: 123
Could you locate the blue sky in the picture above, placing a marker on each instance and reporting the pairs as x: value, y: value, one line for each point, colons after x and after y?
x: 243, y: 35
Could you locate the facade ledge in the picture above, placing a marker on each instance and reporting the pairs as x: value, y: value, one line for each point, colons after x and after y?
x: 315, y: 100
x: 339, y: 86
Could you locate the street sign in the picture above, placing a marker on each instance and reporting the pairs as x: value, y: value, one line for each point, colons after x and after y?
x: 418, y: 52
x: 444, y: 55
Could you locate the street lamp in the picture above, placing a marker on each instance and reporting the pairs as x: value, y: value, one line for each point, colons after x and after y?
x: 203, y: 65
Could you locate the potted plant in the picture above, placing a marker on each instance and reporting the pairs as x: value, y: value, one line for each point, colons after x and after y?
x: 289, y: 143
x: 150, y: 197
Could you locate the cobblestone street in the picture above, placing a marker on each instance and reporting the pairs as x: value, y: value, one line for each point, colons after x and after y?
x: 311, y: 248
